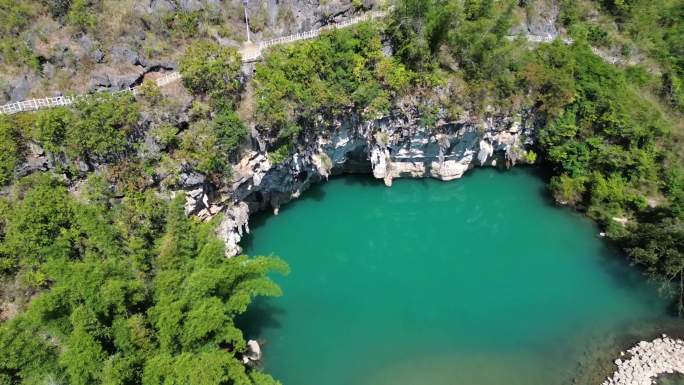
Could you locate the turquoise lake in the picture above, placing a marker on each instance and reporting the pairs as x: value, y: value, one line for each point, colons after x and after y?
x: 479, y: 281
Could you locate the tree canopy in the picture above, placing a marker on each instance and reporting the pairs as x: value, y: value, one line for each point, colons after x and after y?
x: 113, y: 316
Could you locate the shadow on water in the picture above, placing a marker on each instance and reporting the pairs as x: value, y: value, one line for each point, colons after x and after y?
x: 612, y: 258
x: 262, y: 314
x: 671, y: 379
x: 315, y: 193
x: 624, y: 275
x: 543, y: 192
x: 359, y: 180
x: 255, y: 221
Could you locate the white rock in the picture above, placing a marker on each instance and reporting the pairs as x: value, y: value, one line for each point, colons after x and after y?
x: 486, y: 150
x: 648, y: 361
x: 253, y: 350
x: 215, y: 209
x: 231, y: 228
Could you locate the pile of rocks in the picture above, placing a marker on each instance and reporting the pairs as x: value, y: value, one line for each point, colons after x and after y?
x: 648, y: 360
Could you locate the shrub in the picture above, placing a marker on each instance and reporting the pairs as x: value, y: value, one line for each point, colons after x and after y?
x: 165, y: 134
x: 183, y: 24
x: 14, y: 17
x: 343, y: 71
x: 673, y: 90
x: 598, y: 36
x: 81, y: 16
x: 530, y: 157
x: 212, y: 70
x: 51, y: 128
x: 230, y: 131
x: 280, y: 154
x: 58, y: 8
x: 567, y: 189
x: 102, y: 125
x: 150, y: 92
x: 11, y: 149
x: 199, y: 146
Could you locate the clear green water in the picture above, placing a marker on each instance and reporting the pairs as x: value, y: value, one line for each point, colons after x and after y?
x: 675, y: 380
x: 480, y: 281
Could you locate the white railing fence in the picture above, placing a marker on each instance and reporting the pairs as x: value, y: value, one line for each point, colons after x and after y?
x: 58, y: 101
x: 36, y: 104
x: 311, y: 34
x: 256, y: 53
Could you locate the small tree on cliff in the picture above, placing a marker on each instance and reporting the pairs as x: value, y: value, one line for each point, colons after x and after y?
x: 211, y: 70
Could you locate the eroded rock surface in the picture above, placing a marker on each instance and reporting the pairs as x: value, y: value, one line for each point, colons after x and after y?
x: 643, y: 363
x: 388, y: 148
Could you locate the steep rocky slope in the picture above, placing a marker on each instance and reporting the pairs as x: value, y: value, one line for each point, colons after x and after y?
x: 122, y: 41
x: 389, y: 148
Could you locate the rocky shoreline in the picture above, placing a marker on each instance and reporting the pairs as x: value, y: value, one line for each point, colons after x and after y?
x: 388, y: 148
x: 397, y: 147
x: 647, y: 360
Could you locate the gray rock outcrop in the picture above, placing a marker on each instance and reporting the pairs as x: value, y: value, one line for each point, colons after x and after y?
x: 388, y: 148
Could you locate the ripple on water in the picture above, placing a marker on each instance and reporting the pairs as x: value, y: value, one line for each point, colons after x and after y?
x: 474, y: 282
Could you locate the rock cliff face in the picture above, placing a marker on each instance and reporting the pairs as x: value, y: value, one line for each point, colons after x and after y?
x: 138, y: 38
x: 388, y: 148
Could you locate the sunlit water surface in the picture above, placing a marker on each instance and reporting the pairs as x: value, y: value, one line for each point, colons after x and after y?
x: 480, y: 281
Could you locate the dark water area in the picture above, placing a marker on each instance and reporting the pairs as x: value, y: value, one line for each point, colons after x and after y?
x: 480, y: 281
x: 672, y: 380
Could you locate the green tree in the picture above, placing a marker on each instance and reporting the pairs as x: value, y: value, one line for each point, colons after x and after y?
x: 341, y: 72
x: 104, y: 320
x: 230, y: 131
x: 81, y: 15
x: 102, y: 125
x: 198, y: 147
x: 659, y: 245
x: 37, y: 225
x: 212, y: 70
x: 51, y: 128
x: 11, y: 149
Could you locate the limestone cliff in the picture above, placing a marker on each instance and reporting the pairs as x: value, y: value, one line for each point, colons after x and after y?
x: 390, y: 147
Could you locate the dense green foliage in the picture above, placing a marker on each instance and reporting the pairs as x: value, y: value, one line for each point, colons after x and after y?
x: 305, y: 85
x: 14, y: 18
x: 466, y: 43
x: 212, y: 70
x: 209, y: 144
x: 134, y: 296
x: 656, y: 26
x: 653, y: 27
x: 10, y: 150
x: 102, y: 125
x: 613, y: 150
x: 131, y: 291
x: 99, y: 128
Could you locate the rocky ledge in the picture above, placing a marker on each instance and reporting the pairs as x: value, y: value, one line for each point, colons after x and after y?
x: 391, y: 147
x: 648, y: 360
